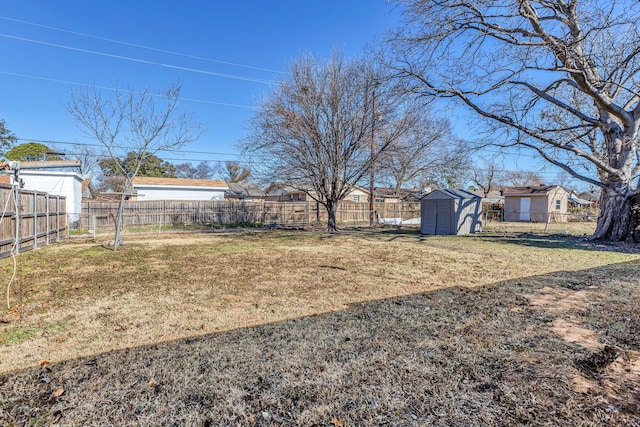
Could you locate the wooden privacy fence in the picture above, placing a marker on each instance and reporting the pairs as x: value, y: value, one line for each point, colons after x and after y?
x: 102, y: 215
x: 29, y: 219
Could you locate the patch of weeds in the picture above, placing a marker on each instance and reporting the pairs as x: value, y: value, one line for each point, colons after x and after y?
x: 16, y: 334
x: 91, y: 252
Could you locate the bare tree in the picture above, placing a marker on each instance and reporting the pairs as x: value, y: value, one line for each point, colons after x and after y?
x: 314, y: 131
x: 232, y: 172
x: 424, y: 148
x: 485, y: 176
x: 522, y: 178
x: 559, y: 77
x: 135, y: 122
x: 202, y: 171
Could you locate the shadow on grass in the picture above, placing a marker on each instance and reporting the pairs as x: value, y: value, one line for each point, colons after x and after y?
x: 457, y: 356
x: 559, y: 241
x: 543, y: 241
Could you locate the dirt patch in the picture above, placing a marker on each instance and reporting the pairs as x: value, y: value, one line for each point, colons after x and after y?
x: 609, y: 370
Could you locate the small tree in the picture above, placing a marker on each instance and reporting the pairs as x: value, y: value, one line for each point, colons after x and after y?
x: 134, y: 122
x: 31, y: 152
x: 7, y: 138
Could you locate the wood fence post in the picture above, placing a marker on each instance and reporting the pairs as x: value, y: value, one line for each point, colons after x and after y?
x: 57, y: 218
x: 35, y: 219
x: 47, y: 227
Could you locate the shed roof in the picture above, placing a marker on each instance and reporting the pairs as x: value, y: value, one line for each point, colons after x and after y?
x: 453, y: 194
x: 178, y: 182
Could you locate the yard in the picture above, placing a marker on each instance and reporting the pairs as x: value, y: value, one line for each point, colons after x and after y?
x: 363, y: 327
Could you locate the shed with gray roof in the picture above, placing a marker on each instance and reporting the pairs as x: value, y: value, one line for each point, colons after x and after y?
x: 451, y: 212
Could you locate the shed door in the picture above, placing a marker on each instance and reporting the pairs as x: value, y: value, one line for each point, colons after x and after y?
x: 437, y: 217
x: 429, y: 217
x: 525, y: 209
x: 445, y: 212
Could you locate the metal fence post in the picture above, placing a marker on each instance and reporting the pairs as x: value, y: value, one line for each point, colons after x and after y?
x: 16, y: 200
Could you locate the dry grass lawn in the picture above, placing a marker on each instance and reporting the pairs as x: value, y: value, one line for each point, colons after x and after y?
x: 377, y: 327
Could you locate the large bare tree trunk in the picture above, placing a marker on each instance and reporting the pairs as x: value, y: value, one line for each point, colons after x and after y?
x: 615, y: 221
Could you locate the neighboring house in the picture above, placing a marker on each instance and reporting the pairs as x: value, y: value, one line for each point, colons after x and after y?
x: 392, y: 195
x: 578, y: 203
x: 286, y: 193
x: 593, y: 197
x: 148, y: 188
x: 244, y: 191
x: 67, y: 184
x: 493, y: 197
x: 450, y: 212
x: 538, y: 203
x: 277, y: 192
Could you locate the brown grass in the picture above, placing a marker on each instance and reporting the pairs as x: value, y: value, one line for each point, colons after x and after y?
x: 299, y: 328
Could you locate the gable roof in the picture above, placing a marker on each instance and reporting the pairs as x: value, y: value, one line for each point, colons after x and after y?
x: 452, y: 194
x: 178, y: 182
x: 533, y: 190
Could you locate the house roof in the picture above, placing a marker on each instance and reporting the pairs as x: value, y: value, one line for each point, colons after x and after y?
x: 574, y: 198
x: 533, y: 190
x: 243, y: 189
x: 178, y: 182
x: 400, y: 192
x: 587, y: 195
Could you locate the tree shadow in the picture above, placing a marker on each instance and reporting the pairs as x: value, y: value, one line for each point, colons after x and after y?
x: 559, y: 241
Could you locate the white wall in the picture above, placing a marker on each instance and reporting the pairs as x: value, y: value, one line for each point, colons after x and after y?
x: 67, y: 184
x: 149, y: 192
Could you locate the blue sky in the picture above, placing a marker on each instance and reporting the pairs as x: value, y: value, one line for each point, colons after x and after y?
x: 227, y: 54
x: 52, y: 48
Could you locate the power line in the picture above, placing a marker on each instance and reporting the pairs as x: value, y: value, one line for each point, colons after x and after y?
x: 87, y: 144
x: 140, y: 46
x: 115, y: 89
x: 141, y: 61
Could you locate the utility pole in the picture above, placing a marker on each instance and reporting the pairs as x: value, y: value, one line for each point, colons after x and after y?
x: 372, y: 200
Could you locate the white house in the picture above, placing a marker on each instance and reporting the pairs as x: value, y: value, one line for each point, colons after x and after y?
x: 179, y: 189
x: 67, y: 184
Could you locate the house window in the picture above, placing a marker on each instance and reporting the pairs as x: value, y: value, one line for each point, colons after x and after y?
x: 356, y: 198
x: 379, y: 200
x: 558, y: 204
